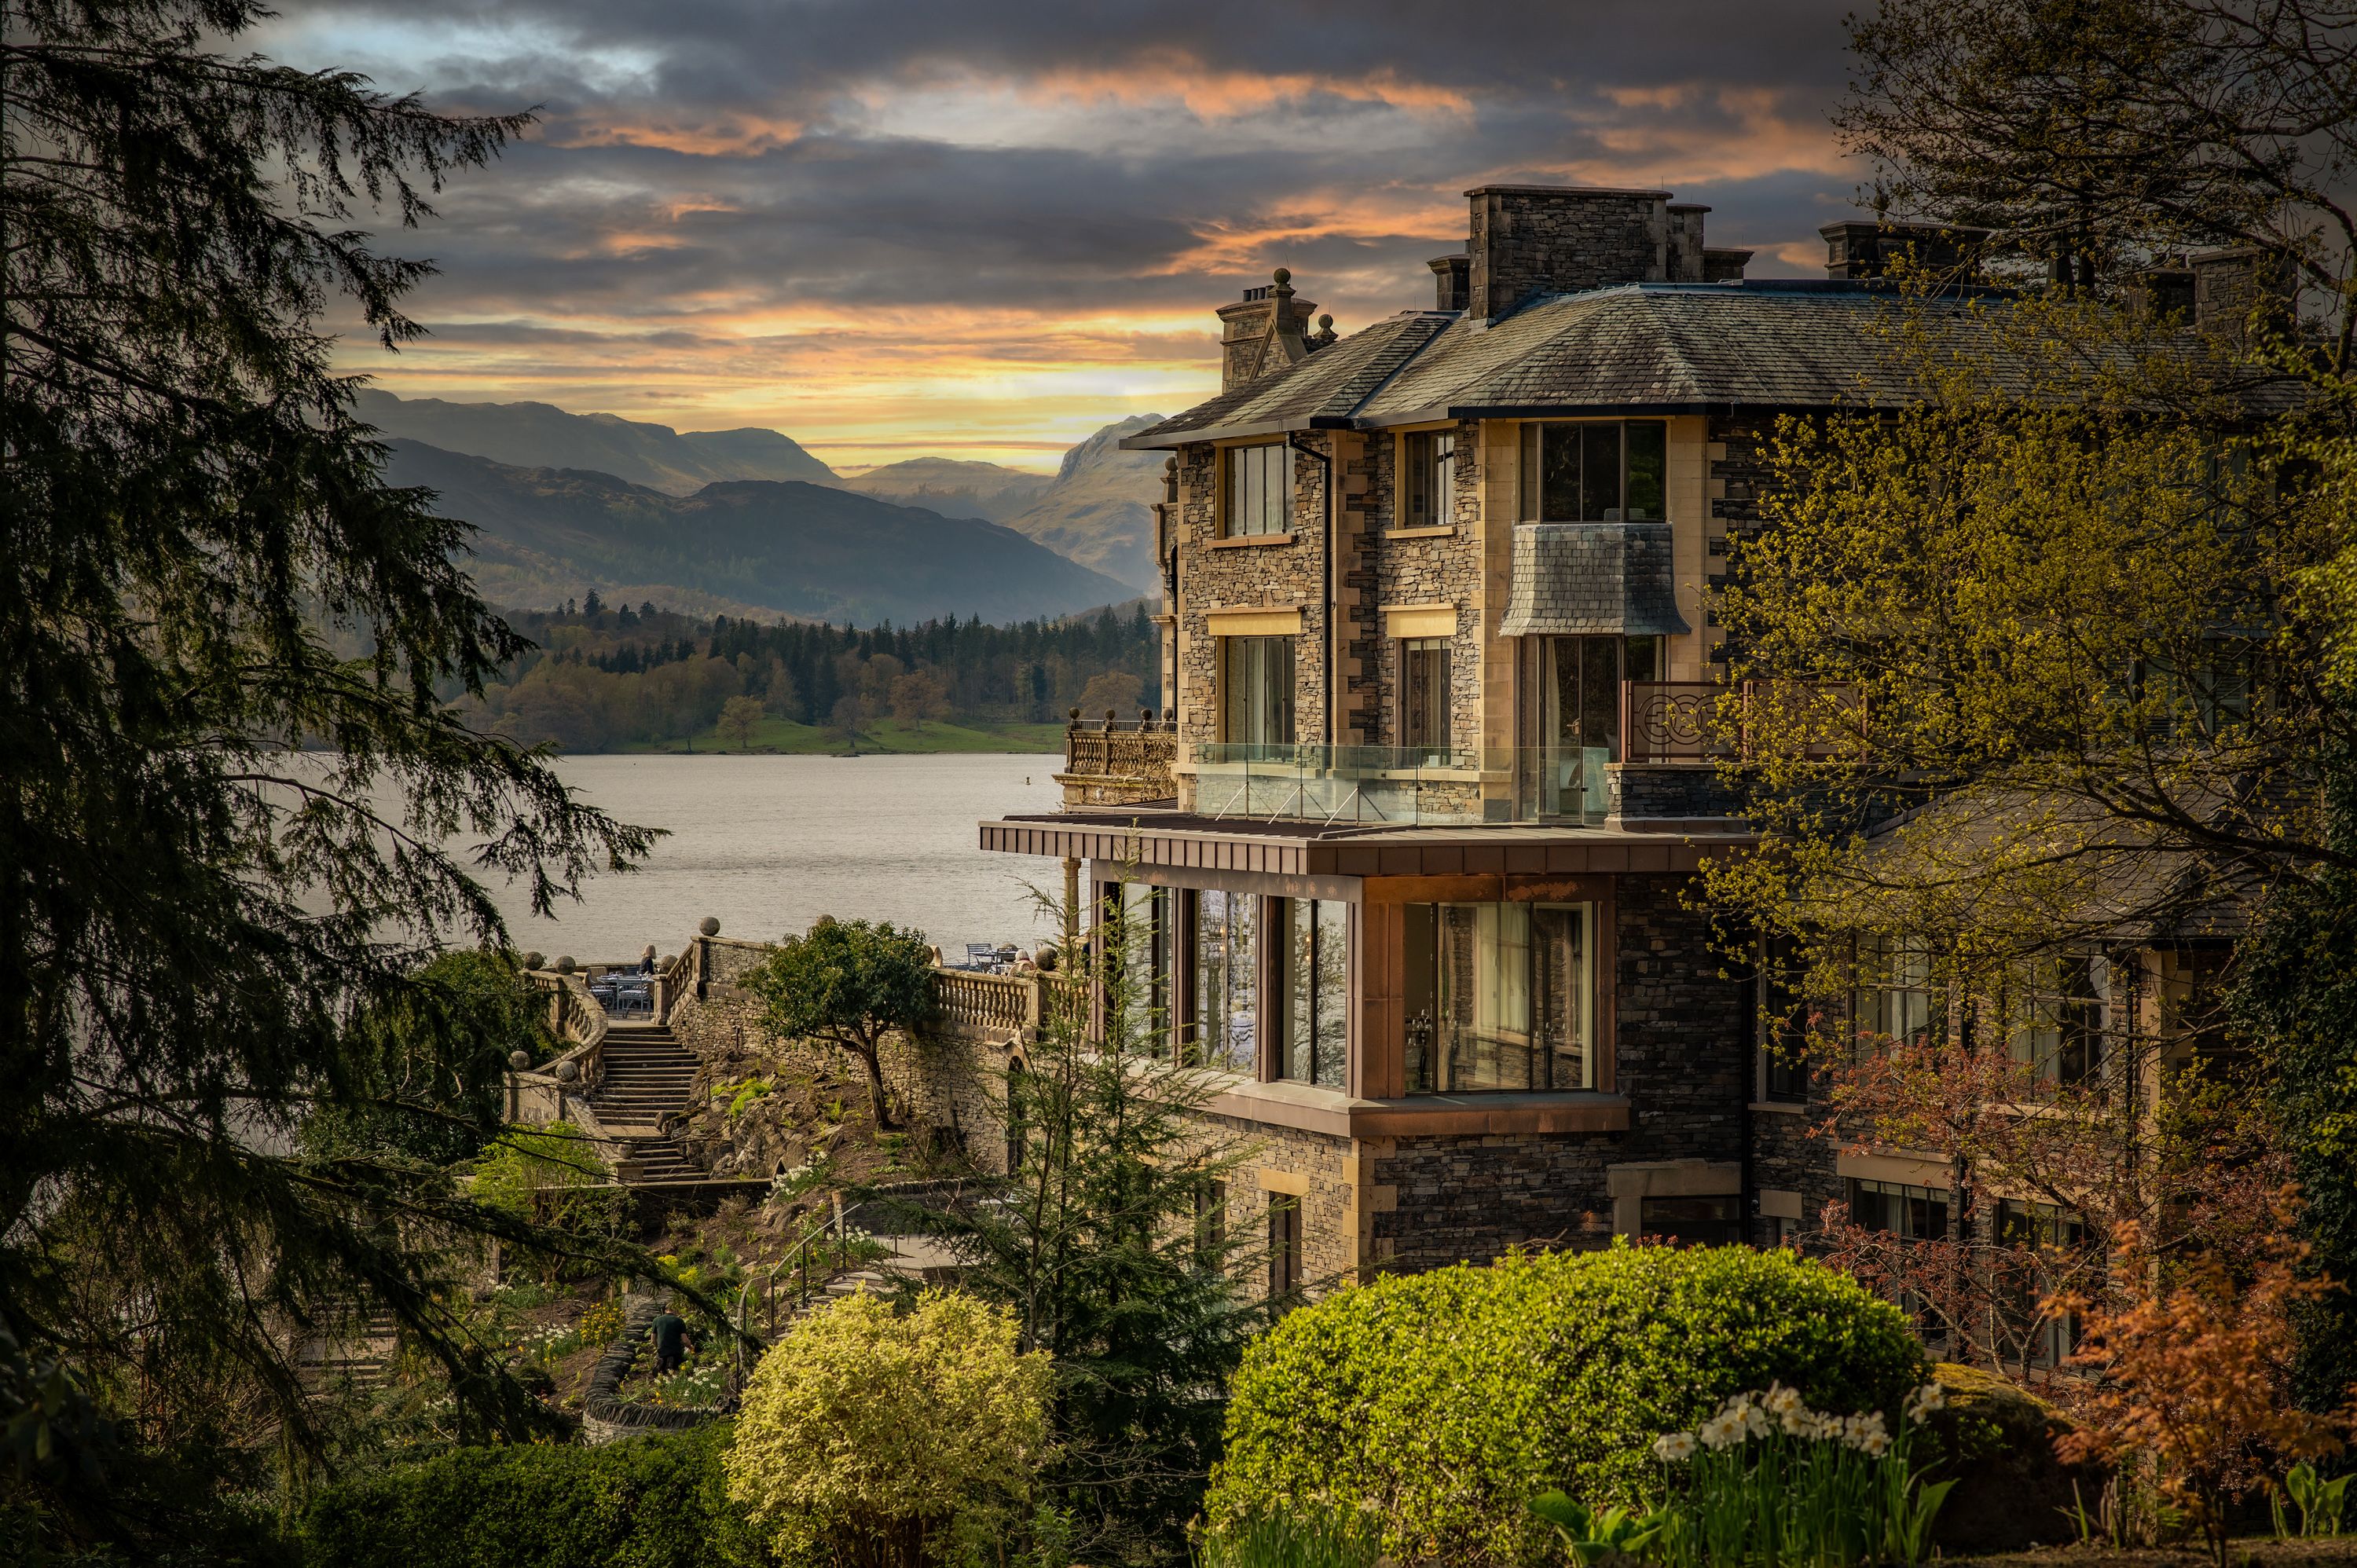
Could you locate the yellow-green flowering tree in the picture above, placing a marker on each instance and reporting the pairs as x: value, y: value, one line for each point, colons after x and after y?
x: 891, y: 1439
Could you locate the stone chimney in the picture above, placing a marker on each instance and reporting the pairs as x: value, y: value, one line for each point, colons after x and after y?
x: 1262, y: 332
x: 2228, y: 283
x: 1452, y: 280
x: 1686, y: 256
x: 1535, y: 239
x: 1865, y: 249
x: 2165, y: 293
x: 1725, y: 265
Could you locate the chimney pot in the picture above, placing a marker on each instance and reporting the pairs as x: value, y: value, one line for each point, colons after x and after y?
x: 1263, y: 331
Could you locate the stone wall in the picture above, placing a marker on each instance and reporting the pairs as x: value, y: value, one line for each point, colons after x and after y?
x: 1287, y: 573
x: 1462, y: 1200
x: 1638, y: 791
x: 1684, y: 1054
x: 952, y: 1086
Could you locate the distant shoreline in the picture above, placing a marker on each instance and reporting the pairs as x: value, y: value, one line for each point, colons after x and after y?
x: 888, y: 738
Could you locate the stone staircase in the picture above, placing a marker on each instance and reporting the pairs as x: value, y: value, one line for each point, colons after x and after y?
x: 648, y: 1075
x: 358, y: 1356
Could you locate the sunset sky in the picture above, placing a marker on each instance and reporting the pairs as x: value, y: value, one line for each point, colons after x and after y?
x: 983, y: 229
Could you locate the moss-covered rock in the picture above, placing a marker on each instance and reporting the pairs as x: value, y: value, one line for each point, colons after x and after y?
x: 1997, y: 1439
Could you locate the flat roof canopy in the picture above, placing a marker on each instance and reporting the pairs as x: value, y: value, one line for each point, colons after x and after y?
x: 1313, y: 849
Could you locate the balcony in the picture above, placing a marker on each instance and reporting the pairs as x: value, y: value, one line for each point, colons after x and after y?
x: 1117, y: 762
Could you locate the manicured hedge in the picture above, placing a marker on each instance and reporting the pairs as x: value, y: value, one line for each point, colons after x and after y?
x: 658, y: 1501
x: 1445, y: 1402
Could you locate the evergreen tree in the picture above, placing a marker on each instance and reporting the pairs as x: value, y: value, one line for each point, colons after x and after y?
x: 1109, y: 1240
x: 192, y: 910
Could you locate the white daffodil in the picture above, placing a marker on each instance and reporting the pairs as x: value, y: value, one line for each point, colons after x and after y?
x: 1719, y: 1431
x: 1874, y: 1444
x: 1926, y: 1400
x: 1673, y: 1446
x: 1781, y: 1401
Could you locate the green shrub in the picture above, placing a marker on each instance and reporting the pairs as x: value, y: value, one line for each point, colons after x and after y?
x: 656, y: 1501
x: 1445, y: 1402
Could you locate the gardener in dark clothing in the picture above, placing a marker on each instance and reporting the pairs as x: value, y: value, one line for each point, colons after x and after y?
x: 670, y: 1340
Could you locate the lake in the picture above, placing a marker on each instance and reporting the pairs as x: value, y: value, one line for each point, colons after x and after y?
x: 769, y: 844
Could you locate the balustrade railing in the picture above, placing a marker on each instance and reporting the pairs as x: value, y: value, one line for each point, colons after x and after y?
x: 1673, y: 721
x: 1003, y: 1007
x: 575, y: 1017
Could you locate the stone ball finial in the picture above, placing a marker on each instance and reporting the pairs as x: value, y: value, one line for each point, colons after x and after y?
x: 709, y: 926
x: 535, y: 961
x: 1046, y: 958
x: 567, y: 1071
x: 1283, y: 275
x: 1074, y: 715
x: 667, y: 960
x: 1170, y: 464
x: 519, y: 1060
x: 1327, y: 321
x: 565, y: 966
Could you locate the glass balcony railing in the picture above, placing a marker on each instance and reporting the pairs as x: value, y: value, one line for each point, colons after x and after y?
x: 1403, y: 786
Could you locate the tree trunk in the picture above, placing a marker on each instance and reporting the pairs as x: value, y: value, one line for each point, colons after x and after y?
x: 879, y: 1098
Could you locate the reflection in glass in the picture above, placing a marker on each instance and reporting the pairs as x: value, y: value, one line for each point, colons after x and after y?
x: 1315, y: 994
x: 1226, y: 948
x: 1499, y: 997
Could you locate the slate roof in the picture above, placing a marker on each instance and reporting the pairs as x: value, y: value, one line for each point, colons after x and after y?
x: 1580, y: 579
x: 1653, y: 346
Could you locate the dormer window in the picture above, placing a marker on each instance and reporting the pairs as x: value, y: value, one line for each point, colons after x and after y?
x: 1595, y: 471
x: 1256, y: 497
x: 1427, y: 478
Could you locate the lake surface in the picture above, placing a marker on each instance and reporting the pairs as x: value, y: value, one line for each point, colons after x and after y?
x: 769, y: 844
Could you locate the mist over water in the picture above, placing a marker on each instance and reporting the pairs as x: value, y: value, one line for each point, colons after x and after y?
x: 769, y: 844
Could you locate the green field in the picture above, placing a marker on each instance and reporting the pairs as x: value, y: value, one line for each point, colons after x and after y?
x: 883, y: 737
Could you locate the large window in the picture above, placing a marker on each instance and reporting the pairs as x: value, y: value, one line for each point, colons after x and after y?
x: 1500, y: 997
x: 1610, y: 471
x: 1423, y: 693
x: 1146, y: 935
x: 1899, y: 1000
x: 1784, y: 1023
x: 1256, y: 691
x: 1227, y: 955
x: 1314, y: 993
x: 1427, y: 478
x: 1910, y: 1213
x: 1284, y: 1245
x: 2058, y: 1024
x: 1258, y: 497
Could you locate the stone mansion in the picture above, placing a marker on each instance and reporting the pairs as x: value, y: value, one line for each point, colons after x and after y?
x: 1414, y: 839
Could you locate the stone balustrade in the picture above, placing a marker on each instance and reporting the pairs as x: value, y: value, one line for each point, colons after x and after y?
x: 1111, y: 764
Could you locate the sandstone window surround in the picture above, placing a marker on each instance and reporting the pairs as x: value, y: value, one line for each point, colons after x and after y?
x: 1500, y: 998
x: 1609, y: 470
x: 1694, y: 1201
x: 1256, y: 490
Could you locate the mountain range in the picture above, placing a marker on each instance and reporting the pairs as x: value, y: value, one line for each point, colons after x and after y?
x: 541, y: 435
x: 1094, y: 512
x: 760, y: 546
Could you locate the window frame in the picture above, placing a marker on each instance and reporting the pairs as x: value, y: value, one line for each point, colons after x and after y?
x: 1441, y: 1031
x: 1237, y: 482
x: 1530, y: 469
x: 1286, y: 990
x: 1284, y: 719
x: 1414, y: 718
x: 1427, y: 478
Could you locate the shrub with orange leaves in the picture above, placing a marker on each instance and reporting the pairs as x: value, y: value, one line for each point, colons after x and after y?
x: 2190, y: 1370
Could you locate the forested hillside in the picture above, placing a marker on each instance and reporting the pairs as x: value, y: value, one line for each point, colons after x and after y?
x: 606, y: 678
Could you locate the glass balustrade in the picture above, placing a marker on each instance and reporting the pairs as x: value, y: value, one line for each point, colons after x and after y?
x: 1400, y: 786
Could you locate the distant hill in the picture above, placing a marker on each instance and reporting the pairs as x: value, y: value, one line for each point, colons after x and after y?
x: 954, y: 487
x: 789, y: 547
x: 539, y: 435
x: 1095, y: 512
